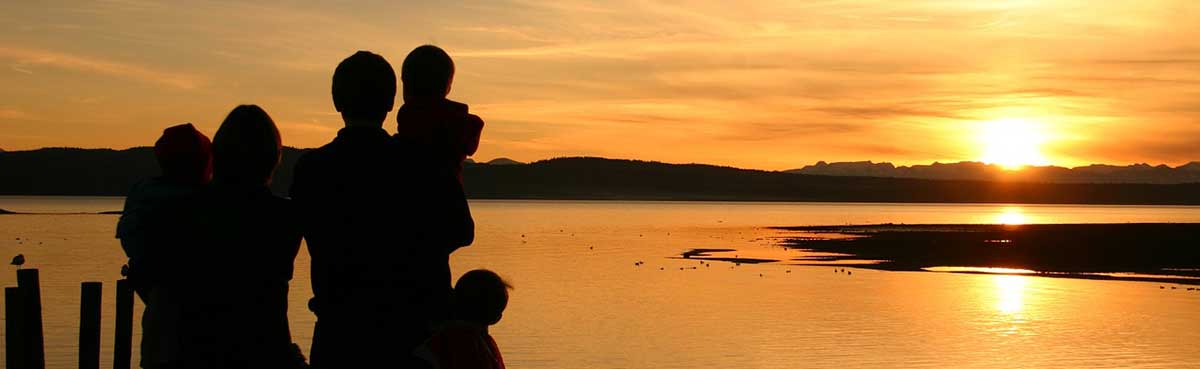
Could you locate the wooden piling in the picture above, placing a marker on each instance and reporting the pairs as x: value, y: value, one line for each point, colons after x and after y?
x: 31, y: 297
x: 14, y: 345
x: 123, y: 340
x: 89, y: 325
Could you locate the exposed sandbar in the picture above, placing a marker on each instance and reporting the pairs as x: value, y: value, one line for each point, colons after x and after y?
x: 1157, y: 250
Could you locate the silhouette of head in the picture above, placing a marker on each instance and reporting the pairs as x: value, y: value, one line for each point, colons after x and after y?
x: 247, y: 147
x: 184, y: 155
x: 427, y: 72
x: 364, y: 86
x: 480, y: 296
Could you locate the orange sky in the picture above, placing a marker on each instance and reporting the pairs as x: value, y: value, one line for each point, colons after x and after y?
x: 758, y: 84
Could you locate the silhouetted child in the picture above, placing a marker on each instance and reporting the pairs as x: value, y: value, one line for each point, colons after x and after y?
x: 438, y: 135
x: 443, y: 129
x: 185, y: 158
x: 463, y: 342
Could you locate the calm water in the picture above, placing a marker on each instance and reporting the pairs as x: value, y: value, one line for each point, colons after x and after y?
x: 581, y: 303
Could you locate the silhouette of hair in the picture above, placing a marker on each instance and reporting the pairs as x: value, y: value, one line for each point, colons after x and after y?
x: 247, y: 147
x: 184, y: 154
x: 427, y: 72
x: 480, y: 296
x: 364, y: 84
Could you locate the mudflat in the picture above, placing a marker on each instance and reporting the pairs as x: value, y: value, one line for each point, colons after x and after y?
x: 1168, y: 252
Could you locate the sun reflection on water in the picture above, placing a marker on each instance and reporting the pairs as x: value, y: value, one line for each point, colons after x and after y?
x: 1010, y: 293
x: 1012, y: 216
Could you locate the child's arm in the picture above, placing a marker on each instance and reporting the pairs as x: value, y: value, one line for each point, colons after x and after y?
x: 472, y: 132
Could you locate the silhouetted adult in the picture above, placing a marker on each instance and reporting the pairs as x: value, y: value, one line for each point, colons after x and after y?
x: 379, y: 229
x: 223, y: 259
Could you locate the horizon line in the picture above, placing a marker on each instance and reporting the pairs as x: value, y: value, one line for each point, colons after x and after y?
x: 868, y: 161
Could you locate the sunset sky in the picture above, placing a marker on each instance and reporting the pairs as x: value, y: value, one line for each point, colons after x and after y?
x: 756, y: 84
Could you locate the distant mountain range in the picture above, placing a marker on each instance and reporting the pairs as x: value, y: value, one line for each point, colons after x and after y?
x: 975, y: 171
x: 64, y: 171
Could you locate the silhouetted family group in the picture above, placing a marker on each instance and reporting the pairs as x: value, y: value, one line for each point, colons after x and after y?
x: 211, y: 249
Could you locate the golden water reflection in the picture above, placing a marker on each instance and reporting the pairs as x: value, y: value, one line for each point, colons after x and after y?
x: 1012, y: 215
x: 977, y: 270
x: 1010, y: 293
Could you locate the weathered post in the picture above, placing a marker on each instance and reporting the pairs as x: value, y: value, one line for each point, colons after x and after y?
x: 31, y: 297
x: 89, y: 325
x: 123, y: 342
x: 14, y: 344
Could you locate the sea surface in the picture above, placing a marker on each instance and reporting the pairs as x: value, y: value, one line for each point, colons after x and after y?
x: 582, y: 300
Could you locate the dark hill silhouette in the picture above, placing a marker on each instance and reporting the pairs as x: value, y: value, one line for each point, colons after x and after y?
x: 603, y: 179
x: 62, y: 171
x: 503, y: 161
x: 1096, y: 173
x: 95, y: 172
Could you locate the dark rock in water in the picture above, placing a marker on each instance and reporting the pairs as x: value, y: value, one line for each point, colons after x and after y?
x: 702, y: 252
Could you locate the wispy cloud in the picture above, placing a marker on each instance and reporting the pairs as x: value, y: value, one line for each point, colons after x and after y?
x: 7, y: 112
x: 308, y: 127
x: 27, y: 58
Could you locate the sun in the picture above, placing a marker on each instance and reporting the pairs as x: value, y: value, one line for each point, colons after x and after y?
x: 1012, y: 143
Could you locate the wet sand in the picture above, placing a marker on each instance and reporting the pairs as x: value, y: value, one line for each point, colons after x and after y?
x: 1159, y: 252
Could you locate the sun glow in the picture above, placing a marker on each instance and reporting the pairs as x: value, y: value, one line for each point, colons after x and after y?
x: 1012, y: 143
